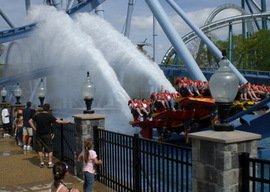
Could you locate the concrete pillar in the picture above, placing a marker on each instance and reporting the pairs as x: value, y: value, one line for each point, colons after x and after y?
x: 215, y: 159
x: 84, y: 124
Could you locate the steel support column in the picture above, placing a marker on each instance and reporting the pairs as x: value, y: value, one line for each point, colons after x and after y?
x: 180, y: 47
x: 215, y: 51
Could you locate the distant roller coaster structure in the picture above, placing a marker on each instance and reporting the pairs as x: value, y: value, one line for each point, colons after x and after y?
x: 210, y: 26
x: 24, y: 31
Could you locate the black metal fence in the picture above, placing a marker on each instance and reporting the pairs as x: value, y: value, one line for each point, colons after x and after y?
x: 64, y: 144
x: 255, y: 174
x: 131, y: 163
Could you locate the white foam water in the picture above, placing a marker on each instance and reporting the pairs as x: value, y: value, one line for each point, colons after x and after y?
x: 88, y: 43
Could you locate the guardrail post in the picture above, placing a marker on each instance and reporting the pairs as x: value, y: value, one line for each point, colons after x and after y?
x: 136, y: 163
x: 96, y: 146
x: 244, y: 164
x: 62, y: 141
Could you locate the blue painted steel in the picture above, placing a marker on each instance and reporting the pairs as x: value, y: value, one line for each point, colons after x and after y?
x: 25, y: 31
x: 129, y: 16
x: 87, y: 5
x: 205, y: 39
x: 27, y: 76
x: 175, y: 39
x: 253, y: 76
x: 16, y: 33
x: 6, y: 19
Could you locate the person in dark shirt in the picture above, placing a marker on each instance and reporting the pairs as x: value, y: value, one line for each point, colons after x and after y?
x: 28, y: 113
x: 42, y: 123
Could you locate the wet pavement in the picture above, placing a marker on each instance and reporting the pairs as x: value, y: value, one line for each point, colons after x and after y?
x: 20, y: 171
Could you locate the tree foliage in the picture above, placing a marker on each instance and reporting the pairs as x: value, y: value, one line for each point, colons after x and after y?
x: 251, y: 52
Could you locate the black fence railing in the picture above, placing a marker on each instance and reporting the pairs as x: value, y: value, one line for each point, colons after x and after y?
x: 255, y: 174
x: 64, y: 143
x: 131, y: 163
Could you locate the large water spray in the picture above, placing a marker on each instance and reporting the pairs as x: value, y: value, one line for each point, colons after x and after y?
x: 71, y: 48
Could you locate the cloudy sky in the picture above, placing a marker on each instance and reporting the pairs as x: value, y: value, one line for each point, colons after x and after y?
x: 115, y: 12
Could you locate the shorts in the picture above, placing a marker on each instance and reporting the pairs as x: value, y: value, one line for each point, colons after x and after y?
x: 44, y: 142
x: 28, y: 131
x: 7, y: 126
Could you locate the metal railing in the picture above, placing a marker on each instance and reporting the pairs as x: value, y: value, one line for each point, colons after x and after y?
x: 255, y: 174
x: 64, y: 144
x: 131, y: 163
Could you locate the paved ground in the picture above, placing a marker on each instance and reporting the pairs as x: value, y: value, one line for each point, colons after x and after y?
x: 19, y: 171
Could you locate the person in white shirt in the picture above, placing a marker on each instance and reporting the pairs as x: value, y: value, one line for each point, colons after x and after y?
x: 6, y: 121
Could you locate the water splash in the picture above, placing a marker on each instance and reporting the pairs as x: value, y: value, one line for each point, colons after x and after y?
x: 118, y: 70
x: 136, y: 73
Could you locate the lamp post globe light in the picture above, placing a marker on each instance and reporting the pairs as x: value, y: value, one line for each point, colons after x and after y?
x: 3, y: 94
x: 88, y: 94
x: 18, y: 93
x: 223, y: 86
x: 41, y: 92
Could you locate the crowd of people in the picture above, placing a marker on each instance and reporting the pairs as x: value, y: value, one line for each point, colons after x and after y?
x: 28, y: 121
x: 142, y: 109
x: 18, y: 126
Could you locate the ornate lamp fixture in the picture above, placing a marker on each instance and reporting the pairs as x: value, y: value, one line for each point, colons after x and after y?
x: 88, y: 93
x: 41, y: 92
x: 223, y: 87
x: 18, y: 93
x: 3, y: 94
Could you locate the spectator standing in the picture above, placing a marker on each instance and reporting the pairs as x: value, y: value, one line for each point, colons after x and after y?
x: 89, y: 156
x: 42, y: 124
x: 6, y: 121
x: 60, y: 170
x: 18, y: 127
x: 28, y: 113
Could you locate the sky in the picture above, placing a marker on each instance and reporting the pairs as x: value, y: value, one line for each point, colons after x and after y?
x: 115, y: 12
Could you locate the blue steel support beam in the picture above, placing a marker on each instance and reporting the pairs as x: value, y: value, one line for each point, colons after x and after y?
x: 25, y: 31
x: 243, y: 22
x: 27, y: 5
x: 6, y: 18
x: 99, y: 11
x: 175, y: 40
x: 264, y: 19
x: 230, y: 45
x: 87, y: 5
x: 215, y: 51
x: 129, y: 16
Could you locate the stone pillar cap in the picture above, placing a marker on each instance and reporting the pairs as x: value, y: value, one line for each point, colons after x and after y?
x: 89, y: 116
x: 225, y: 136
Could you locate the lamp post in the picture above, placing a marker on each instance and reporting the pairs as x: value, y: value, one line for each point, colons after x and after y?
x: 88, y: 94
x: 223, y: 86
x: 3, y: 94
x: 41, y: 92
x: 18, y: 93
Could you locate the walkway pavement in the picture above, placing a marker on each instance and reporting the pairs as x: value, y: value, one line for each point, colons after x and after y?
x: 20, y: 171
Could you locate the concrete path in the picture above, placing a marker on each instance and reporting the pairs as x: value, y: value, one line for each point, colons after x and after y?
x: 20, y: 171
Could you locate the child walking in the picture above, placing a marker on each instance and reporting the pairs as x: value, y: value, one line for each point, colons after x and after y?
x: 89, y: 156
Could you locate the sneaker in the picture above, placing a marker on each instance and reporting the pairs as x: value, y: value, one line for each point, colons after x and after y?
x: 41, y: 165
x: 29, y: 148
x: 50, y: 165
x: 25, y: 147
